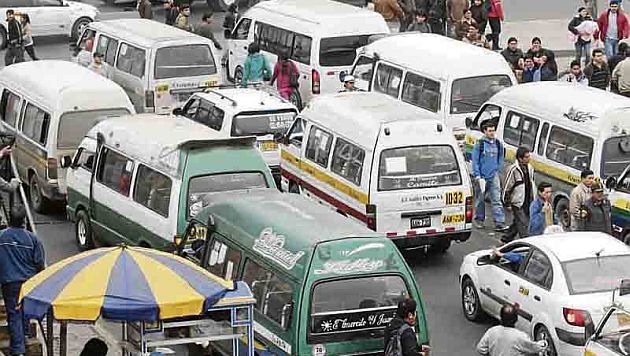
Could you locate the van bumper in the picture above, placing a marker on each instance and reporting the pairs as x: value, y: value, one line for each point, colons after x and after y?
x: 52, y: 192
x: 431, y: 239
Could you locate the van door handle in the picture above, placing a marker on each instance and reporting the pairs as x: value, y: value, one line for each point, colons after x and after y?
x: 537, y: 298
x: 507, y: 282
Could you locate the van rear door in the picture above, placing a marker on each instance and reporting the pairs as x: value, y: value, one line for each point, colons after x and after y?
x: 337, y: 54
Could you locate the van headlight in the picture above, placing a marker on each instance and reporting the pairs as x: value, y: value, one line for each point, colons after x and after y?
x: 319, y: 350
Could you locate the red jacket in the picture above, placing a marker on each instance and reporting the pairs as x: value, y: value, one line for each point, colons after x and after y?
x: 623, y: 29
x: 496, y: 10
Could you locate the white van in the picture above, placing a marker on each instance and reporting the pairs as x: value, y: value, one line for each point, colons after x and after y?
x: 439, y: 74
x: 320, y: 36
x: 238, y: 112
x: 567, y: 127
x: 49, y: 106
x: 159, y: 66
x: 387, y: 164
x: 140, y: 179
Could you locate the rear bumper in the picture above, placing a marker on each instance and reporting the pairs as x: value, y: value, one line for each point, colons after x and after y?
x: 571, y: 338
x: 432, y: 239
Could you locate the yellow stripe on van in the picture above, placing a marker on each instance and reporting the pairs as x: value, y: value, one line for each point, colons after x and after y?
x: 324, y: 177
x: 552, y: 171
x: 621, y: 204
x: 36, y: 157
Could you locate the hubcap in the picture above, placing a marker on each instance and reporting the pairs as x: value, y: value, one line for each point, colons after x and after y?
x: 469, y: 300
x: 238, y: 76
x: 81, y: 27
x: 542, y: 335
x: 81, y: 232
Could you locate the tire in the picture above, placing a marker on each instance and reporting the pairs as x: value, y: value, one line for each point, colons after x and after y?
x: 39, y: 202
x: 296, y: 99
x: 294, y: 188
x: 78, y: 26
x: 471, y: 306
x: 541, y: 333
x: 626, y: 238
x: 441, y: 246
x: 238, y: 75
x: 562, y: 213
x: 83, y: 231
x: 3, y: 38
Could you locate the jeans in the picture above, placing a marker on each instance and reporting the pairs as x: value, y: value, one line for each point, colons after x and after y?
x: 495, y: 27
x: 14, y: 54
x: 31, y: 52
x: 520, y: 223
x: 583, y: 48
x: 493, y: 191
x: 610, y: 47
x: 18, y: 326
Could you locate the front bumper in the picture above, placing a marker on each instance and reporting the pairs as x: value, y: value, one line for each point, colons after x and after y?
x: 431, y: 239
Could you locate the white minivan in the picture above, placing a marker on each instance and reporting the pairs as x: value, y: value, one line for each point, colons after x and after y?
x: 436, y: 73
x: 321, y: 38
x: 49, y: 106
x: 392, y: 166
x: 159, y: 66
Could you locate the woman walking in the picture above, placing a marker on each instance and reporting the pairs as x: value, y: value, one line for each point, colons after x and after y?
x: 287, y: 74
x: 27, y: 37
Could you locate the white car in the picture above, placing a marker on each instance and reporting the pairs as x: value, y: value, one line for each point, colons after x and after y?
x: 560, y: 282
x: 49, y: 17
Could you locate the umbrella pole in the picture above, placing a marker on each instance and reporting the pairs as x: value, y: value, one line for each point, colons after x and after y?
x: 63, y: 338
x: 50, y: 333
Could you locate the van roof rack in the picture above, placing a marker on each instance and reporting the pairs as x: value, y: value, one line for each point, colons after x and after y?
x: 262, y: 87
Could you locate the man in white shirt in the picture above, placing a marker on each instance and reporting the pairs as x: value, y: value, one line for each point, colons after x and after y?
x: 505, y: 340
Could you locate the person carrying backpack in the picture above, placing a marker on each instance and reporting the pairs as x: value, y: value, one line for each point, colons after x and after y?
x: 400, y: 338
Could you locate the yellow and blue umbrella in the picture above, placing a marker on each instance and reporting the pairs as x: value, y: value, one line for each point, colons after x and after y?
x: 127, y: 284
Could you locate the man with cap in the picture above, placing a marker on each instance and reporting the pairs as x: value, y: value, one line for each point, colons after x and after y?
x: 595, y: 212
x: 613, y: 27
x: 348, y: 84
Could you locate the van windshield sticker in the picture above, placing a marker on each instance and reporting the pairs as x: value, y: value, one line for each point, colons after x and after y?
x: 374, y: 318
x: 579, y: 116
x: 421, y: 199
x: 396, y: 164
x: 271, y: 245
x: 361, y: 265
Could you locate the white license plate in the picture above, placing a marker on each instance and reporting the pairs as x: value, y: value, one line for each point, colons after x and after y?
x: 420, y: 222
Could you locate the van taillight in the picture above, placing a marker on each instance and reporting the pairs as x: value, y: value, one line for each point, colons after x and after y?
x: 315, y: 82
x: 149, y: 99
x: 370, y: 212
x: 52, y: 168
x: 469, y: 209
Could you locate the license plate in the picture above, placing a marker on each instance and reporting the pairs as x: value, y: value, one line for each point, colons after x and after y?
x: 417, y: 223
x: 268, y: 146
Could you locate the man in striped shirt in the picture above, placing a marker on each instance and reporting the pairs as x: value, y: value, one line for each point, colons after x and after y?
x: 597, y: 71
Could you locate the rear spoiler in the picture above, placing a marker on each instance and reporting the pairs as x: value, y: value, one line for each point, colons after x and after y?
x: 247, y: 141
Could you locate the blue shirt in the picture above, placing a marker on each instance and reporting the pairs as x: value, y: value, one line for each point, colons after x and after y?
x: 21, y: 255
x: 487, y: 158
x: 514, y: 257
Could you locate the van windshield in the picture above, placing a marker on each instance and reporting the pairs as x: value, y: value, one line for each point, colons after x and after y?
x: 469, y: 94
x: 184, y: 61
x: 74, y: 125
x: 201, y: 186
x: 418, y: 167
x: 615, y: 156
x: 259, y: 124
x: 369, y: 311
x: 340, y: 51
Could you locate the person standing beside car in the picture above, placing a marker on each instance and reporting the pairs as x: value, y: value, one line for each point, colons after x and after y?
x: 518, y: 194
x: 256, y: 68
x: 15, y: 46
x: 400, y: 330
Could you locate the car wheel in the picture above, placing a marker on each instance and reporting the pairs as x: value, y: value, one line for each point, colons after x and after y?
x: 238, y: 75
x: 470, y: 301
x: 79, y: 26
x: 3, y: 38
x: 83, y: 231
x: 39, y: 202
x: 562, y: 213
x: 543, y: 334
x: 626, y: 238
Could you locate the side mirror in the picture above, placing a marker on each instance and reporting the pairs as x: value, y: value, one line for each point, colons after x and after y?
x: 484, y: 260
x: 66, y: 161
x: 342, y: 75
x: 611, y: 183
x: 178, y: 111
x: 468, y: 122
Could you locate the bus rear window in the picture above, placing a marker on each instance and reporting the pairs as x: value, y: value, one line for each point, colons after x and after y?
x: 184, y: 61
x: 340, y: 51
x: 369, y: 311
x: 260, y: 124
x: 201, y: 186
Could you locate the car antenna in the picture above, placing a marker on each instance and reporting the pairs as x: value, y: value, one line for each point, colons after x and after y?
x: 598, y: 254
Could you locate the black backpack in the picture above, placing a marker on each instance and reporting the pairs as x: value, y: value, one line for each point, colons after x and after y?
x: 394, y: 346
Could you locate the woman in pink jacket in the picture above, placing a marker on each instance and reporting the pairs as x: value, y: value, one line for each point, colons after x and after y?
x: 495, y: 16
x: 287, y: 74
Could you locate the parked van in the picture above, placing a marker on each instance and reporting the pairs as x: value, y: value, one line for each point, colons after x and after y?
x: 567, y: 127
x: 324, y: 285
x: 49, y: 106
x: 436, y: 73
x: 158, y: 65
x: 390, y: 165
x: 321, y: 38
x: 238, y: 112
x: 138, y: 179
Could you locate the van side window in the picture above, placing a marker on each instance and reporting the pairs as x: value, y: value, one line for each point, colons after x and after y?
x: 242, y: 30
x: 347, y: 161
x: 421, y: 92
x: 10, y: 107
x: 487, y: 112
x: 520, y: 130
x: 115, y: 171
x: 273, y: 39
x: 35, y: 124
x: 131, y: 60
x: 318, y: 146
x: 208, y: 114
x: 273, y: 295
x: 153, y: 190
x: 302, y: 49
x: 542, y: 141
x: 107, y: 47
x: 569, y: 148
x: 223, y: 261
x: 387, y: 80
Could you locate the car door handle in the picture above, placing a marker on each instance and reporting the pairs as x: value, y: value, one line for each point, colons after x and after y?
x: 507, y: 282
x: 537, y: 298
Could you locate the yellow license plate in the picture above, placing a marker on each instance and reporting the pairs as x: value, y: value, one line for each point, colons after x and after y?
x: 453, y: 219
x: 454, y: 198
x: 268, y: 146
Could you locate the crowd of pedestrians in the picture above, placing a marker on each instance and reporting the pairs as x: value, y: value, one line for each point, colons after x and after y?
x: 19, y: 38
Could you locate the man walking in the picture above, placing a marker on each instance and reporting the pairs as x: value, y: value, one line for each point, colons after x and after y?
x: 579, y: 195
x: 541, y: 212
x: 613, y: 27
x: 21, y: 257
x: 487, y: 162
x: 621, y: 77
x: 15, y: 45
x: 401, y: 329
x: 495, y: 16
x: 505, y: 339
x: 595, y: 213
x: 597, y: 71
x: 518, y: 194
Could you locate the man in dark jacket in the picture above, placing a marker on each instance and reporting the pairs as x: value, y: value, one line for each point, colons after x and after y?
x: 403, y: 323
x: 145, y: 10
x: 15, y: 46
x: 597, y: 71
x: 479, y: 14
x: 512, y: 54
x: 437, y: 16
x: 595, y: 212
x: 409, y: 8
x: 21, y: 257
x: 170, y: 12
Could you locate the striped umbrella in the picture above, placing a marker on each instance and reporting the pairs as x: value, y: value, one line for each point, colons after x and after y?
x: 127, y: 284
